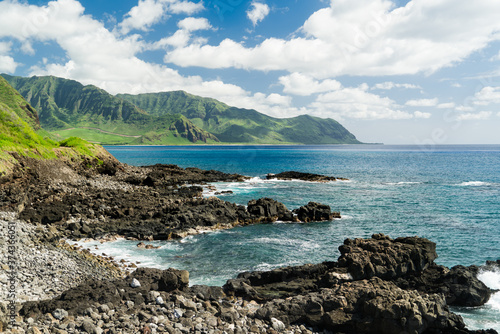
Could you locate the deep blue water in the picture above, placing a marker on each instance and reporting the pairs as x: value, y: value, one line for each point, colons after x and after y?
x: 449, y: 194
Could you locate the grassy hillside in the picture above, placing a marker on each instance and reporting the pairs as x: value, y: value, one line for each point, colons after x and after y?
x: 18, y: 121
x: 235, y: 125
x: 18, y: 138
x: 68, y: 108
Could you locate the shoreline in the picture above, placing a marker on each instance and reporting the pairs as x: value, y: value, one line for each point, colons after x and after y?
x: 162, y: 201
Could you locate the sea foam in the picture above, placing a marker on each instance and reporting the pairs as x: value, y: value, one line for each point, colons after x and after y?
x: 492, y: 280
x: 474, y: 184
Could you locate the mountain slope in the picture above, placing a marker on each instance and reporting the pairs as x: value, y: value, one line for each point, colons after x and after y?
x: 20, y: 142
x: 68, y: 108
x: 18, y: 121
x: 235, y: 125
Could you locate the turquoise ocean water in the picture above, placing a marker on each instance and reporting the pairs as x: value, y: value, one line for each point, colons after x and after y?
x: 448, y: 194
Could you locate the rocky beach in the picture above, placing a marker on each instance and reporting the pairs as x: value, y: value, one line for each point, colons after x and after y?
x: 377, y: 285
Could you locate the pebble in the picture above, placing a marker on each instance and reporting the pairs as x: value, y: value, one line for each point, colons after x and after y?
x: 60, y: 314
x: 135, y: 283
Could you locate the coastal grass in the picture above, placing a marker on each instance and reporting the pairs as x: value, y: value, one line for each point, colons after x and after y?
x: 104, y: 137
x: 94, y: 136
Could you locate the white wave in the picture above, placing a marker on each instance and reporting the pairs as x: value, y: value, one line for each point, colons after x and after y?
x: 288, y: 242
x: 268, y: 266
x: 256, y: 180
x: 474, y: 184
x: 402, y: 183
x: 490, y: 278
x: 346, y: 217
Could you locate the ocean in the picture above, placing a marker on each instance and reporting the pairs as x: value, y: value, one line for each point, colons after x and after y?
x: 448, y: 194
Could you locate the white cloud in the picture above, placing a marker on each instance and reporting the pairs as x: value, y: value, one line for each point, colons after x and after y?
x: 388, y: 85
x: 182, y: 36
x: 304, y: 85
x: 179, y: 39
x: 7, y: 64
x: 27, y: 48
x: 357, y: 103
x: 424, y: 115
x: 142, y: 16
x: 184, y: 7
x: 364, y: 37
x: 422, y: 103
x: 193, y: 24
x: 150, y: 12
x: 480, y: 116
x: 257, y: 12
x: 448, y: 105
x: 487, y: 95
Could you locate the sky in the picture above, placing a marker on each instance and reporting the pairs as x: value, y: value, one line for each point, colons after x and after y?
x: 421, y: 72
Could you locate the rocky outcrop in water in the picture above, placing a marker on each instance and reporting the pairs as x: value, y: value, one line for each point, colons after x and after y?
x: 316, y: 212
x: 371, y: 289
x: 292, y: 175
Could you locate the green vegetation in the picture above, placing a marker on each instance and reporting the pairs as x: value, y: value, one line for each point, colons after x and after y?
x: 18, y: 121
x: 79, y: 145
x: 68, y: 109
x: 236, y: 125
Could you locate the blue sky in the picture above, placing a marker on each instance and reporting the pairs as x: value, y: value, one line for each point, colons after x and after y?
x: 424, y: 72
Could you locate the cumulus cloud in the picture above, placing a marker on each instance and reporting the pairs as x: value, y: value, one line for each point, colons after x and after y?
x: 150, y: 12
x: 419, y: 114
x: 182, y: 37
x: 142, y: 16
x: 357, y: 103
x: 422, y: 103
x: 487, y: 95
x: 193, y: 24
x: 7, y: 64
x: 364, y: 37
x: 184, y: 7
x: 257, y: 12
x: 448, y: 105
x: 304, y: 85
x: 480, y: 116
x: 388, y: 85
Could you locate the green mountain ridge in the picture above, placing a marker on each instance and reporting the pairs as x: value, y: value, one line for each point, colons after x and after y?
x: 68, y: 108
x: 248, y: 126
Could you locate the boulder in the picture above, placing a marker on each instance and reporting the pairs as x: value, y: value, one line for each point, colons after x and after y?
x: 386, y: 258
x: 173, y: 279
x: 270, y: 210
x: 315, y: 212
x: 460, y: 285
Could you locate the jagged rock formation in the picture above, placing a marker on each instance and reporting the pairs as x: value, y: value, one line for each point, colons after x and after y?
x: 325, y: 296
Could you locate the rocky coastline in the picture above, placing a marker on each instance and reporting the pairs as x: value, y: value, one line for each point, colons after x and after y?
x: 378, y: 285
